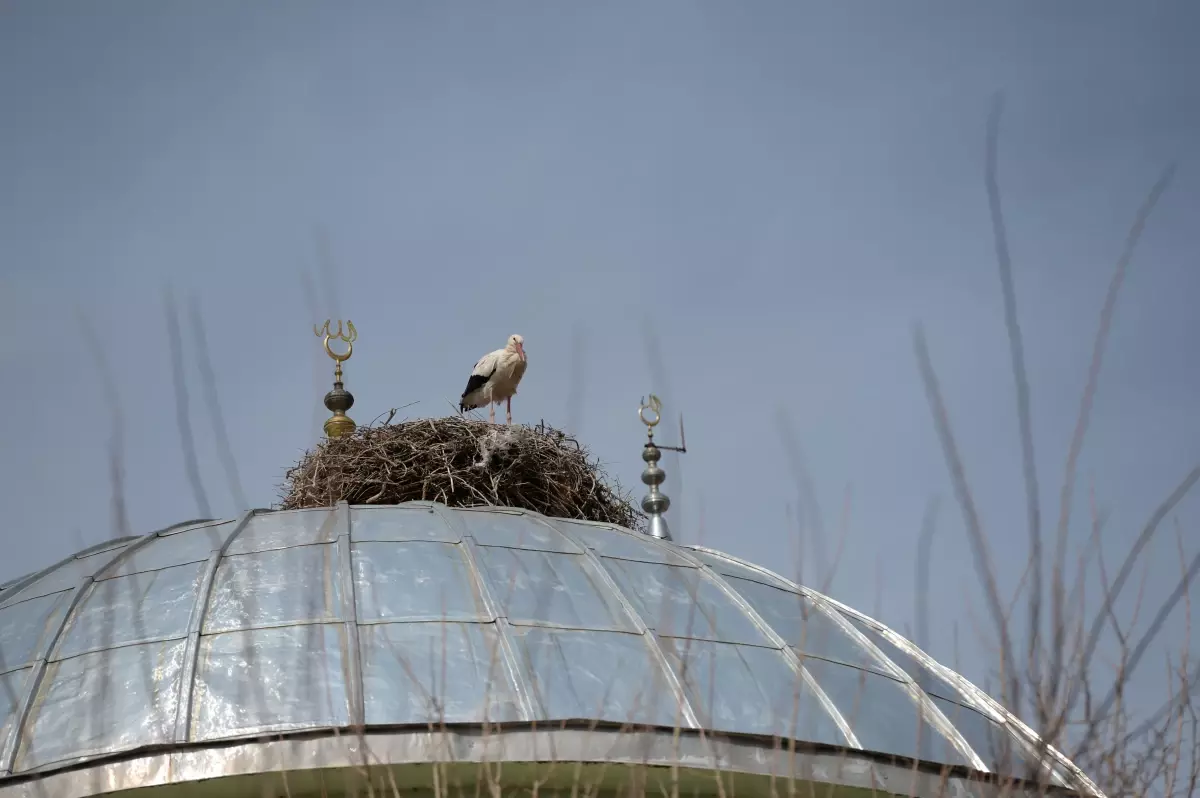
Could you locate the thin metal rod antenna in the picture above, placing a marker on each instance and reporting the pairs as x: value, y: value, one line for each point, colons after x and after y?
x: 654, y: 406
x: 682, y: 447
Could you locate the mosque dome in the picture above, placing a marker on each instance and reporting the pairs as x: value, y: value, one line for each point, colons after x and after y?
x: 287, y: 641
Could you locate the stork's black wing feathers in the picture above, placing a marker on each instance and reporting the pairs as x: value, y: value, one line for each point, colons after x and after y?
x: 476, y: 382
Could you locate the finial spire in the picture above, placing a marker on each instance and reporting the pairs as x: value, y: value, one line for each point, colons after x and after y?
x: 655, y: 502
x: 339, y: 400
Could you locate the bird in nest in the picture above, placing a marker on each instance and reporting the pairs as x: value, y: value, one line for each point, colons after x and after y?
x: 495, y: 378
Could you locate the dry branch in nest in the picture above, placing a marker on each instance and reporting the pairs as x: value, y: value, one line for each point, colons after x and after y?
x: 461, y: 463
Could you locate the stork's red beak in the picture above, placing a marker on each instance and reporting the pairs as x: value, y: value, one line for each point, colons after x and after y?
x: 521, y: 350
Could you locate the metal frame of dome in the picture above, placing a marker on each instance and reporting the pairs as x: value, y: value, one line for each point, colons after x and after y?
x: 165, y: 756
x: 978, y: 699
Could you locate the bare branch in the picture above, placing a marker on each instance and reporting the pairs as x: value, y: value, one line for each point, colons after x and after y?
x: 810, y: 516
x: 1021, y: 382
x: 1160, y: 513
x: 1148, y: 636
x: 182, y: 413
x: 116, y: 443
x: 966, y: 501
x: 208, y: 379
x: 1085, y: 408
x: 924, y: 547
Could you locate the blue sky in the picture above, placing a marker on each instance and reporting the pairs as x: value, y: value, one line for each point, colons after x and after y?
x: 773, y: 191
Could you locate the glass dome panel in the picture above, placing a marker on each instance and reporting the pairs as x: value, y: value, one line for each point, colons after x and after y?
x: 536, y: 587
x: 611, y: 542
x: 70, y: 574
x: 611, y: 676
x: 399, y: 524
x: 435, y: 672
x: 928, y: 680
x: 27, y: 627
x: 515, y: 531
x: 990, y: 741
x: 415, y: 582
x: 129, y: 699
x: 113, y: 613
x: 748, y: 690
x: 288, y: 677
x: 881, y: 713
x: 682, y: 602
x: 728, y: 567
x: 802, y: 625
x: 275, y: 587
x: 269, y: 531
x: 193, y: 544
x: 12, y: 689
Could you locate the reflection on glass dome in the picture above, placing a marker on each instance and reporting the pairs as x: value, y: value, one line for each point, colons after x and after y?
x: 420, y: 614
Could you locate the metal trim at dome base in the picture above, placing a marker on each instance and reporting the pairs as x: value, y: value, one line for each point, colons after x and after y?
x: 660, y: 762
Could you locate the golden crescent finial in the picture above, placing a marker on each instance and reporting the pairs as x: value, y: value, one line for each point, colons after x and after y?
x: 342, y: 357
x: 339, y: 400
x: 349, y: 336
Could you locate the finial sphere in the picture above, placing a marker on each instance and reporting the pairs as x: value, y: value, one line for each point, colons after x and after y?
x: 339, y: 400
x: 656, y: 504
x: 653, y: 475
x: 339, y: 426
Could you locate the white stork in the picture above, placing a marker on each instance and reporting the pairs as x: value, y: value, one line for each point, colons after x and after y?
x: 494, y: 379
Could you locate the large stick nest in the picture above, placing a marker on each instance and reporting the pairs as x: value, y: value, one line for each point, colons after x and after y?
x: 461, y: 463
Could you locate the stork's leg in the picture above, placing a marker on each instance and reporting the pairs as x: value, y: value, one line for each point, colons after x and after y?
x: 508, y: 408
x: 491, y: 413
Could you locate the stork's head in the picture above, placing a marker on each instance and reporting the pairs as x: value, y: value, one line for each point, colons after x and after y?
x: 516, y: 344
